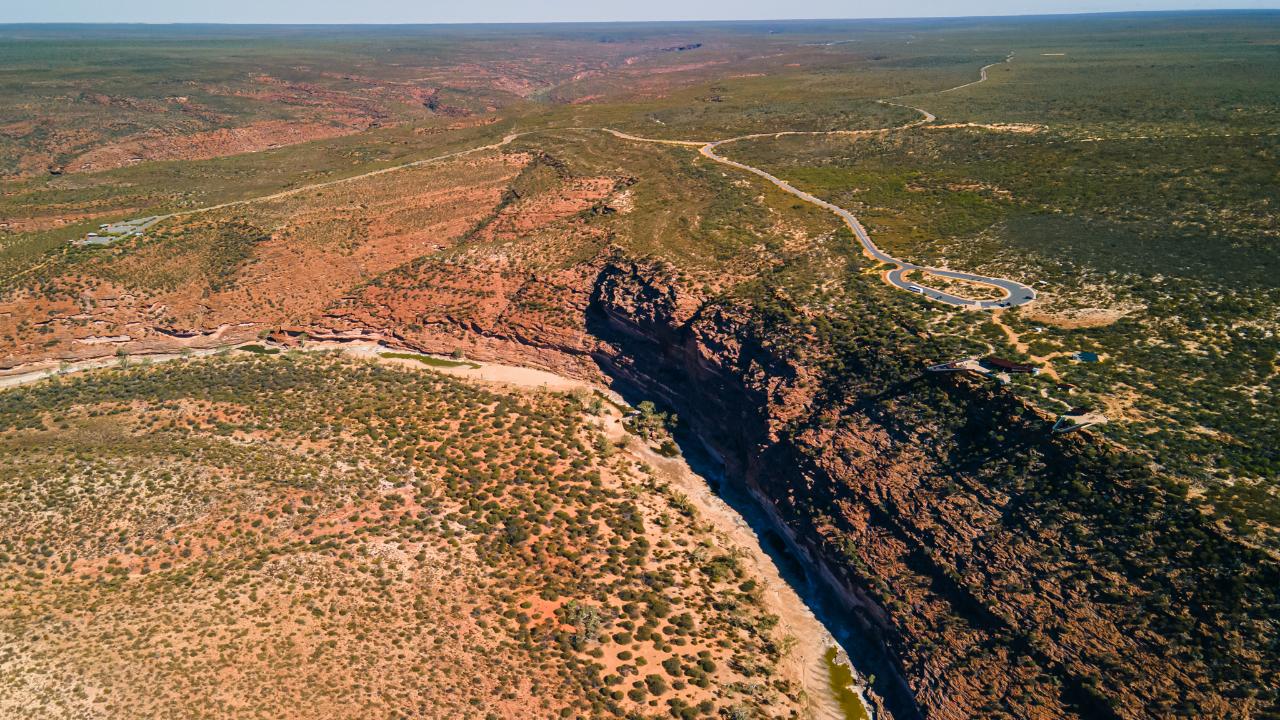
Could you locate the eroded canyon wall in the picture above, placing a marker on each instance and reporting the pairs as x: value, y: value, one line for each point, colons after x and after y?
x: 1004, y: 570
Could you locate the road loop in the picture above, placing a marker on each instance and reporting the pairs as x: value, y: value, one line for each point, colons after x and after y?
x: 1013, y: 293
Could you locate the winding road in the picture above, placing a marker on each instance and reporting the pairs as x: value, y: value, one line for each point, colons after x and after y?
x: 982, y: 75
x: 1013, y: 292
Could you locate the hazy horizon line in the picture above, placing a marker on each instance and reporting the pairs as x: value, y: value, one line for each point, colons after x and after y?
x: 229, y: 23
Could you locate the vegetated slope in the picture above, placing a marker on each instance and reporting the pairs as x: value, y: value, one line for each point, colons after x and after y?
x: 1157, y: 254
x: 1002, y: 571
x: 265, y: 265
x: 1005, y: 570
x: 997, y: 570
x: 308, y: 537
x: 98, y: 98
x: 1009, y: 571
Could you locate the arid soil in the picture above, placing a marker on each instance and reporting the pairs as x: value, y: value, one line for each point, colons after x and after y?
x: 900, y: 505
x: 808, y: 641
x: 254, y: 543
x: 239, y: 270
x: 204, y: 145
x: 993, y: 569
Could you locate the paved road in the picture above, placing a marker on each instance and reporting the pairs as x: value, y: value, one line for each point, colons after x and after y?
x: 1015, y: 293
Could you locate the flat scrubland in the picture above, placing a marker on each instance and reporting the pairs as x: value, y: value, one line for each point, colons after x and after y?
x: 90, y: 99
x: 1156, y: 254
x: 1142, y: 208
x: 232, y: 537
x: 1124, y: 166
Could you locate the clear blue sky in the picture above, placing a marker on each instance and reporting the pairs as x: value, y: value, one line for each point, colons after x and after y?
x: 432, y: 11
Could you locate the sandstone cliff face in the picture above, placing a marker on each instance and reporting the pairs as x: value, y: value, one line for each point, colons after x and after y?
x: 1003, y: 571
x: 993, y: 569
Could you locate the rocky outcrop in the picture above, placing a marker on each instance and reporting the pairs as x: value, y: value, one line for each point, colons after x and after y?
x: 992, y: 569
x: 999, y: 570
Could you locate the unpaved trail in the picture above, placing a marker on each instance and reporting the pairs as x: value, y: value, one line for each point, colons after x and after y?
x: 329, y: 183
x: 1015, y: 339
x: 506, y: 140
x: 805, y: 662
x: 982, y: 75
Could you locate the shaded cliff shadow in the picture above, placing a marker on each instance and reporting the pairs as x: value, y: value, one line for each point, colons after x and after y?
x: 645, y: 369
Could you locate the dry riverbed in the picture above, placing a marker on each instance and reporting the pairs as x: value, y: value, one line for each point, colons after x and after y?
x: 807, y: 661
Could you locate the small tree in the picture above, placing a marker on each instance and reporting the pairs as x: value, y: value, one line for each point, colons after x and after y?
x: 650, y: 421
